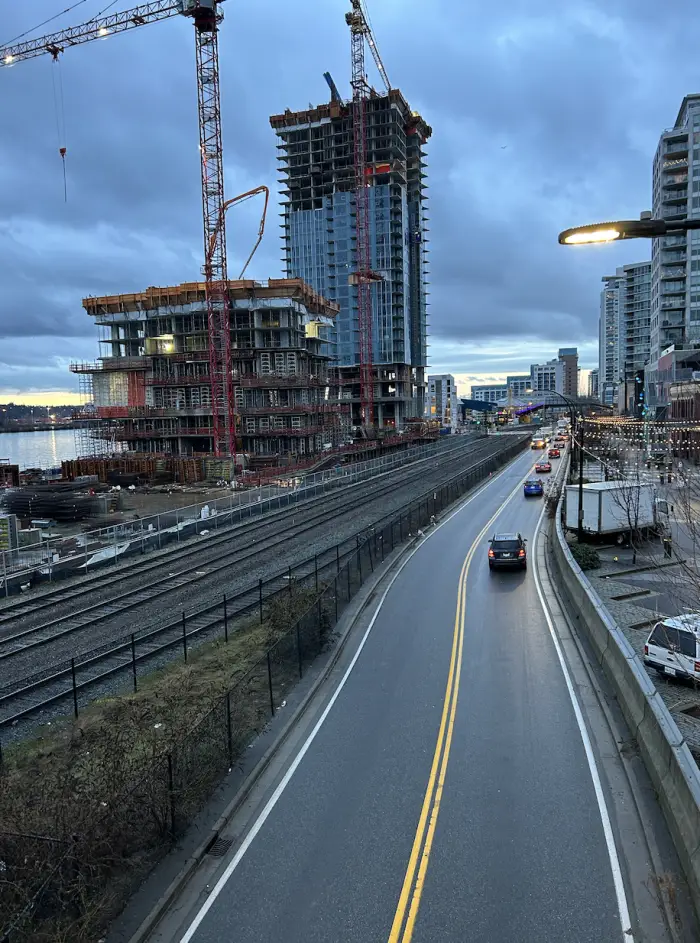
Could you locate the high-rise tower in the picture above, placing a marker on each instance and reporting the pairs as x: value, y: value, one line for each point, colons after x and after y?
x: 319, y: 242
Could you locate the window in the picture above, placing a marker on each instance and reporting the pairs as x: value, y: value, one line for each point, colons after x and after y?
x: 673, y: 640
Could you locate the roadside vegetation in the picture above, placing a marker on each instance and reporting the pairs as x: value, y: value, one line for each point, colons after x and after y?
x: 89, y: 805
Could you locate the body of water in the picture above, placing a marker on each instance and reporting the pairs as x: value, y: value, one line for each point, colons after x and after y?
x: 46, y: 449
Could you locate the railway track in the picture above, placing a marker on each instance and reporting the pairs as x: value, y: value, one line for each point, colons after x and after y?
x: 26, y: 697
x: 71, y: 589
x: 203, y: 561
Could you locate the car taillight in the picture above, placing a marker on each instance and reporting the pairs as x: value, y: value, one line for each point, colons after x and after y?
x: 696, y: 667
x: 521, y: 553
x: 491, y: 553
x: 646, y: 649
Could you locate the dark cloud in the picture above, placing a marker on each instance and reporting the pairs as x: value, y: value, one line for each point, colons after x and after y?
x: 544, y: 115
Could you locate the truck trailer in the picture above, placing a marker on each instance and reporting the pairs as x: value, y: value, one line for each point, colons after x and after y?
x: 615, y: 508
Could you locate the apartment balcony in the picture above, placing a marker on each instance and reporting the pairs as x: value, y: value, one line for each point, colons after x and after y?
x: 674, y: 180
x: 675, y: 212
x: 675, y: 303
x: 672, y: 272
x: 675, y: 163
x: 677, y: 148
x: 674, y: 196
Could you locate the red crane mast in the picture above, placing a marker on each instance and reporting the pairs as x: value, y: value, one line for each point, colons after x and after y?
x: 206, y: 17
x: 363, y: 276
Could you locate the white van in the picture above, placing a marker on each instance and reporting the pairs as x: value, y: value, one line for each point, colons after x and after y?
x: 673, y: 647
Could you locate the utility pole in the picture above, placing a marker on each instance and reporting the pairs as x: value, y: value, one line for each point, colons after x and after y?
x: 579, y: 532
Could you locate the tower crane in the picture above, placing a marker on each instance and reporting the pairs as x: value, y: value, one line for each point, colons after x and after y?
x: 363, y: 276
x: 206, y: 18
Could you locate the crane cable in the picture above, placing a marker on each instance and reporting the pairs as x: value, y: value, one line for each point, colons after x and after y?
x: 60, y: 112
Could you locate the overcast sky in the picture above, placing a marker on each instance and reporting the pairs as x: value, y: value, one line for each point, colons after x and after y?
x: 544, y: 115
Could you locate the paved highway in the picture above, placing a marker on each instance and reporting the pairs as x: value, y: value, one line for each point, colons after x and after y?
x: 447, y: 793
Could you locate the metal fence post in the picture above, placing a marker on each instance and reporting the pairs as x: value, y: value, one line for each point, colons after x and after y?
x: 225, y: 620
x: 184, y: 636
x: 335, y: 593
x: 171, y: 793
x: 347, y: 570
x: 269, y: 681
x: 337, y: 558
x: 299, y: 650
x: 4, y: 572
x: 359, y: 564
x: 75, y: 687
x: 260, y: 599
x: 290, y: 581
x: 316, y: 571
x: 133, y: 660
x: 229, y: 729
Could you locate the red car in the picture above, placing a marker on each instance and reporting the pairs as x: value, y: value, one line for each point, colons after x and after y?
x: 554, y: 453
x: 543, y: 467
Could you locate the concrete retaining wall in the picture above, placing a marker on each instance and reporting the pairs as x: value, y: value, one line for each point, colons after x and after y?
x: 672, y: 769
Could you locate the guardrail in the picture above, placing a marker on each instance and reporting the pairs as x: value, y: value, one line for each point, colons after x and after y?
x: 61, y: 557
x: 669, y: 762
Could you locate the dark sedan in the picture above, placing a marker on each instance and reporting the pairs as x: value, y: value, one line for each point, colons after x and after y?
x: 507, y: 550
x: 543, y: 467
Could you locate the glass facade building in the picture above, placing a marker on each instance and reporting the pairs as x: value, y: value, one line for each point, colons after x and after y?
x: 319, y: 245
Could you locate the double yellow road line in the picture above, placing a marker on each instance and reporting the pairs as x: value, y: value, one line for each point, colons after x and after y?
x: 414, y: 880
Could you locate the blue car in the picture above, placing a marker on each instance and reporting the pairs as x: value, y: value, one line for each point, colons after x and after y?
x: 533, y: 486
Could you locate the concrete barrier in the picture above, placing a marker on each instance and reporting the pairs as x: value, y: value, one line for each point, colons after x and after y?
x: 671, y: 767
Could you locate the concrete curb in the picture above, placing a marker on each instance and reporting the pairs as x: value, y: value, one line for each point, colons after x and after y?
x: 667, y: 758
x: 192, y: 863
x: 149, y: 924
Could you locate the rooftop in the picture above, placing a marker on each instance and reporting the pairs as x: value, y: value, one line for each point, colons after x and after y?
x: 189, y: 292
x: 336, y: 109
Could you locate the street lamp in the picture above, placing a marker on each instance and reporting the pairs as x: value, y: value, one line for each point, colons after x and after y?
x: 643, y: 228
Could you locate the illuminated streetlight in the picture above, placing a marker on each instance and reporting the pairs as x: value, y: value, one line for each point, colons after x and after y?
x: 643, y: 228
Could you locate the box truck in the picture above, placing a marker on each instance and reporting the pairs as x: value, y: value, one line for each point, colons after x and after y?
x: 612, y: 508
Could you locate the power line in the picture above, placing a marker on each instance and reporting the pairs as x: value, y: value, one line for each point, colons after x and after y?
x: 50, y: 20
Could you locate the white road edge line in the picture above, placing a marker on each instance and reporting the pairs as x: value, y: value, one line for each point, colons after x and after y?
x: 622, y: 905
x: 284, y: 782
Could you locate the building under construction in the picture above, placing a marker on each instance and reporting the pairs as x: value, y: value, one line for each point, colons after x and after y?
x: 316, y: 153
x: 150, y: 391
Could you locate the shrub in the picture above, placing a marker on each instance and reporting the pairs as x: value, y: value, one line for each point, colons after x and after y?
x: 586, y: 557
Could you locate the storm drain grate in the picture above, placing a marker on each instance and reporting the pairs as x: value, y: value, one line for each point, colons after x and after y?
x: 220, y: 847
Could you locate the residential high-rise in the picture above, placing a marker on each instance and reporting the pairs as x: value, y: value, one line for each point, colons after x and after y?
x: 593, y: 383
x: 316, y: 154
x: 441, y: 401
x: 675, y: 259
x: 569, y: 357
x: 609, y: 338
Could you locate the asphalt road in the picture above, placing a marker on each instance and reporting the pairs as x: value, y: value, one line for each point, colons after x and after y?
x: 511, y: 844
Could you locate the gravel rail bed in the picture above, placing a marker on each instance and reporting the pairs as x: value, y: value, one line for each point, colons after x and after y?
x: 368, y: 507
x: 180, y: 543
x: 72, y: 595
x: 355, y: 521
